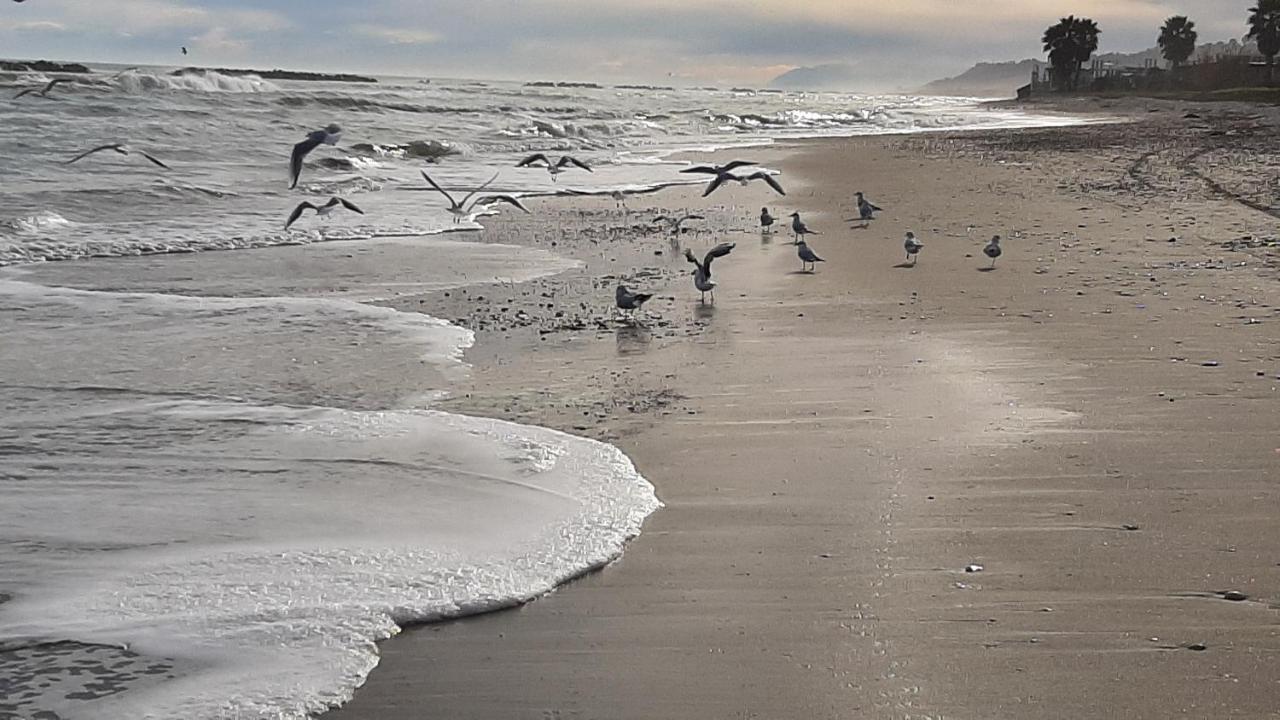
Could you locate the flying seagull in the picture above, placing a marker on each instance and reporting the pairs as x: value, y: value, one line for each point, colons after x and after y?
x: 725, y: 177
x: 702, y: 270
x: 327, y: 136
x: 676, y: 222
x: 44, y: 91
x: 119, y: 148
x: 184, y: 49
x: 629, y: 302
x: 554, y: 168
x: 464, y: 209
x: 321, y: 210
x: 807, y: 257
x: 992, y: 250
x: 766, y: 220
x: 912, y: 246
x: 866, y: 210
x: 799, y: 228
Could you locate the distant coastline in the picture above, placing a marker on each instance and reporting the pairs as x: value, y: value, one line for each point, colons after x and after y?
x: 278, y: 74
x: 41, y: 66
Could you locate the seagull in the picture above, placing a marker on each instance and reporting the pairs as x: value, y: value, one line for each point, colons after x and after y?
x: 992, y: 250
x: 676, y: 222
x: 866, y: 211
x: 327, y: 136
x: 912, y: 246
x: 725, y: 177
x: 119, y: 148
x: 464, y: 209
x: 702, y: 270
x: 766, y: 220
x: 555, y: 169
x: 184, y: 50
x: 799, y: 228
x: 44, y: 91
x: 807, y: 256
x: 629, y: 301
x: 321, y: 210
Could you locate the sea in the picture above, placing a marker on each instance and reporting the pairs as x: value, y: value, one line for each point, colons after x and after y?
x: 223, y: 478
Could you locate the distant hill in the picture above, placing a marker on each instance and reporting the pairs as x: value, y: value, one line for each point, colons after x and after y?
x: 834, y: 76
x: 993, y: 80
x: 1002, y: 79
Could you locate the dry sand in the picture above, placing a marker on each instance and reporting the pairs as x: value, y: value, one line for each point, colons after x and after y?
x: 1094, y: 423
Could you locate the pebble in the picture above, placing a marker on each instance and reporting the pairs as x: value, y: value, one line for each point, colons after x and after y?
x: 973, y: 568
x: 1234, y: 596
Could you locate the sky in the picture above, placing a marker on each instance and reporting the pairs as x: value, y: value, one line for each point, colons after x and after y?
x: 892, y: 44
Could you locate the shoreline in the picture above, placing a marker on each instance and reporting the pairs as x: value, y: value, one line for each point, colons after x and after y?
x: 1017, y: 351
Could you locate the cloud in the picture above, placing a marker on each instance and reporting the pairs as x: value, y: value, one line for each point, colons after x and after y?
x: 33, y: 26
x: 399, y: 36
x: 141, y: 17
x: 218, y: 41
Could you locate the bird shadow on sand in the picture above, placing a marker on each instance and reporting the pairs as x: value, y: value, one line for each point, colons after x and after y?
x: 633, y: 339
x: 986, y: 269
x: 802, y: 272
x: 905, y: 266
x: 704, y: 311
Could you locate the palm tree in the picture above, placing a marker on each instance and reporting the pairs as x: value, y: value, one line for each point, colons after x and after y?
x: 1264, y: 27
x: 1177, y: 40
x: 1070, y: 44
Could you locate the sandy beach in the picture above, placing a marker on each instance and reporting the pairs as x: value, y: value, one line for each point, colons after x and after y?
x: 1041, y: 491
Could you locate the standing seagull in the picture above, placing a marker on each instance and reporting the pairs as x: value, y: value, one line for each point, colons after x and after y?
x: 629, y: 302
x: 799, y: 228
x: 702, y: 270
x: 807, y: 257
x: 464, y: 209
x: 321, y: 210
x: 555, y: 169
x: 119, y: 148
x: 327, y: 136
x: 766, y: 220
x: 912, y: 246
x: 992, y: 250
x: 866, y: 210
x: 44, y: 91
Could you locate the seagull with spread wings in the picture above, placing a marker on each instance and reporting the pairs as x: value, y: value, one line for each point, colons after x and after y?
x: 43, y: 91
x: 467, y: 207
x: 321, y: 210
x: 702, y: 270
x: 561, y: 165
x: 120, y: 148
x: 327, y: 136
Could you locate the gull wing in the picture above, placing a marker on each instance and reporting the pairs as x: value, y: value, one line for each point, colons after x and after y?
x: 300, y: 151
x: 536, y: 157
x: 157, y: 162
x: 87, y: 153
x: 509, y: 199
x: 715, y: 183
x: 768, y: 179
x: 569, y: 160
x: 735, y: 164
x: 441, y: 190
x: 473, y: 192
x: 348, y: 205
x: 297, y: 213
x: 703, y: 169
x: 28, y: 91
x: 718, y: 251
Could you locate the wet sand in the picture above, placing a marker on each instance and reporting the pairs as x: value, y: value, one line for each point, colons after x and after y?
x: 1091, y: 427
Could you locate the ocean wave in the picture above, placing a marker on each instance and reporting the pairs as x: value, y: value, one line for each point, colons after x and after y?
x: 136, y: 81
x: 44, y: 221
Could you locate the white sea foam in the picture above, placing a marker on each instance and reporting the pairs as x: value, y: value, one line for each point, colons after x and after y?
x: 138, y: 81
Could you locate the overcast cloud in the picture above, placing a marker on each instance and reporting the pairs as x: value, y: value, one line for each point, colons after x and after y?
x: 893, y: 43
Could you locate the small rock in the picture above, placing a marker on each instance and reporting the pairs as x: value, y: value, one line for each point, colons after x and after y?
x: 973, y: 568
x: 1234, y: 596
x: 1130, y: 527
x: 1198, y: 647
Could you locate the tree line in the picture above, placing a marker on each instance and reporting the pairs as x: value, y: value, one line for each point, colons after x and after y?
x: 1072, y: 41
